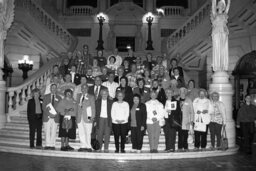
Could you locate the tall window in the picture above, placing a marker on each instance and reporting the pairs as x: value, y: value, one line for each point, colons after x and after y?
x: 92, y: 3
x: 183, y: 3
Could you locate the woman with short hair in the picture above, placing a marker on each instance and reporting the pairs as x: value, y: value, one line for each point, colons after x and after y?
x: 67, y: 108
x: 138, y: 116
x: 218, y: 119
x: 120, y: 114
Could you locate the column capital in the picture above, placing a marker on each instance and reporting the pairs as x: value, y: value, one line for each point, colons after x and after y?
x: 6, y: 16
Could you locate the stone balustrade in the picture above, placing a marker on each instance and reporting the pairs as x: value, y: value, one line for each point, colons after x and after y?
x: 46, y: 20
x: 79, y: 11
x: 190, y: 25
x: 173, y: 10
x: 18, y: 96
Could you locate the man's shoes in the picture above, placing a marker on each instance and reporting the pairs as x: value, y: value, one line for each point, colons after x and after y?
x: 52, y: 148
x: 170, y: 151
x: 38, y: 147
x: 117, y: 151
x: 122, y: 151
x: 69, y: 148
x: 47, y: 148
x: 81, y: 149
x: 63, y: 149
x: 89, y: 150
x: 31, y: 147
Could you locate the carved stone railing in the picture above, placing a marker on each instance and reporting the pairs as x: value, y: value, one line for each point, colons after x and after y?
x: 18, y: 96
x: 47, y: 21
x: 190, y: 25
x: 79, y: 11
x: 173, y: 10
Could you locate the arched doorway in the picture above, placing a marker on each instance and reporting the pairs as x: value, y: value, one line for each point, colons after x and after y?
x: 245, y: 78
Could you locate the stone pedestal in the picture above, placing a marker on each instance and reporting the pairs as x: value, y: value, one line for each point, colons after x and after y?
x: 221, y: 84
x: 2, y: 104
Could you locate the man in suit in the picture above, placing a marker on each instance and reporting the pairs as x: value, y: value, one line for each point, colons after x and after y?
x: 96, y: 88
x: 120, y: 74
x: 50, y: 118
x: 85, y: 117
x: 180, y: 80
x: 103, y: 119
x: 75, y: 77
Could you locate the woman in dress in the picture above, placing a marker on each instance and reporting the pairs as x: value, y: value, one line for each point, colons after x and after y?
x: 120, y: 114
x: 219, y: 19
x: 35, y: 114
x: 138, y: 116
x: 155, y: 118
x: 67, y: 108
x: 218, y: 119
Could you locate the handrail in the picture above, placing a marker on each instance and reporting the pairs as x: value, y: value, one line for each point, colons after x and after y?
x: 173, y: 10
x: 17, y: 96
x: 196, y: 19
x: 47, y: 20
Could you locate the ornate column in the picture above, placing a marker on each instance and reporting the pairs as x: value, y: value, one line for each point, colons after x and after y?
x: 6, y: 18
x: 220, y: 78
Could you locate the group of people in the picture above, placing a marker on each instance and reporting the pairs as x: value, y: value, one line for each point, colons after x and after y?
x: 121, y: 96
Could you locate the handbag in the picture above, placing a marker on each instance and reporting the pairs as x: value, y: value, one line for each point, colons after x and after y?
x: 224, y: 140
x: 67, y: 124
x: 95, y: 144
x: 199, y: 125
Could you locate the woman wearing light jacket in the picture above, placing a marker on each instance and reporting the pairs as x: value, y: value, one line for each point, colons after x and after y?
x: 201, y: 107
x: 155, y: 117
x: 218, y: 119
x: 186, y: 106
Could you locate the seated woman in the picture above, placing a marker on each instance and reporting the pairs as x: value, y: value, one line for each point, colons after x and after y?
x: 138, y: 117
x: 67, y: 108
x: 155, y: 117
x: 111, y: 64
x: 120, y: 114
x: 35, y: 114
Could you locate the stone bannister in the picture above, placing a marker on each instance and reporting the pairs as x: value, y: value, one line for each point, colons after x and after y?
x: 79, y: 11
x: 202, y: 15
x: 39, y: 21
x: 173, y: 10
x: 17, y: 97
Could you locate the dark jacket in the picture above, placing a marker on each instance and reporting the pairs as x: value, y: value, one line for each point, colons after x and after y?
x: 144, y: 95
x: 98, y: 111
x: 77, y: 79
x: 31, y: 110
x: 141, y: 116
x: 91, y: 91
x: 180, y: 81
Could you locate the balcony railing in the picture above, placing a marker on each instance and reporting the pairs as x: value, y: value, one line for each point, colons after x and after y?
x: 79, y: 11
x: 173, y: 10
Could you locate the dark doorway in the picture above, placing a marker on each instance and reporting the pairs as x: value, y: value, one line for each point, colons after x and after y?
x: 123, y: 42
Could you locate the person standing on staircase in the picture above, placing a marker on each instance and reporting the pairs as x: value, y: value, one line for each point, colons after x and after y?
x: 50, y: 117
x: 35, y: 113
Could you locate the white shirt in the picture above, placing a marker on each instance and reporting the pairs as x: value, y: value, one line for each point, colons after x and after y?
x: 95, y: 87
x: 120, y: 111
x: 103, y: 111
x: 111, y: 88
x: 72, y: 76
x: 154, y: 105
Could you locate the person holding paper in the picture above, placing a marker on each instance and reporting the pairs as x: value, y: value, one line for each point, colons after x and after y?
x: 85, y: 118
x: 67, y: 109
x: 50, y: 117
x: 155, y: 115
x: 173, y: 120
x: 201, y: 107
x: 120, y: 114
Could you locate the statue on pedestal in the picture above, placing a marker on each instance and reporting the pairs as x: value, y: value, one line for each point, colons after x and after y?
x: 219, y: 19
x: 6, y: 19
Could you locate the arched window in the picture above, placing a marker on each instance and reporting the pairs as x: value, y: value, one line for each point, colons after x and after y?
x: 183, y: 3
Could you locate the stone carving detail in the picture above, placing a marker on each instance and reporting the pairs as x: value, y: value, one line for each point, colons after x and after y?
x: 219, y: 19
x: 6, y: 19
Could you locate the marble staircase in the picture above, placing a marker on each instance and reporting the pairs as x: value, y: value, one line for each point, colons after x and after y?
x: 14, y: 137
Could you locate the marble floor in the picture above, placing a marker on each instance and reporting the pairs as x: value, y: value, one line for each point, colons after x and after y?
x: 17, y: 162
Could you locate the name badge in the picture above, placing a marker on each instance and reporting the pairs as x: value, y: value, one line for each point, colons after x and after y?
x: 137, y: 109
x: 145, y: 91
x: 56, y: 99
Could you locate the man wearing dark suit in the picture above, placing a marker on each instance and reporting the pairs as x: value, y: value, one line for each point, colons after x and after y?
x: 96, y: 88
x: 85, y: 117
x: 75, y: 77
x: 50, y: 119
x: 103, y: 119
x: 180, y: 80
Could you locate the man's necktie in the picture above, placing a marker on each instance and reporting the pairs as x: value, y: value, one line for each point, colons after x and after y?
x: 96, y: 91
x: 53, y: 100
